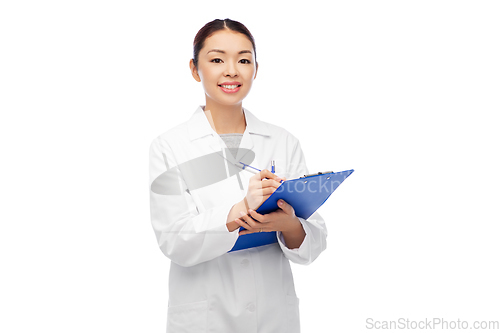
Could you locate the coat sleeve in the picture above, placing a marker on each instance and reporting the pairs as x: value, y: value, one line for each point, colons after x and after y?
x: 315, y: 240
x: 184, y: 234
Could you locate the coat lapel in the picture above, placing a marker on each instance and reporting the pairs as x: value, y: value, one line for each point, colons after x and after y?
x: 198, y: 127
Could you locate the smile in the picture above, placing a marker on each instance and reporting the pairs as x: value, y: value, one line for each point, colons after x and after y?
x: 230, y: 88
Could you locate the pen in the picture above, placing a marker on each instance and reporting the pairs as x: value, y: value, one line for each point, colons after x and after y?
x: 272, y: 168
x: 246, y: 165
x: 249, y: 166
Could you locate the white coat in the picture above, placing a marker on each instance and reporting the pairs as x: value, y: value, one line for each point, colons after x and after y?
x: 211, y: 290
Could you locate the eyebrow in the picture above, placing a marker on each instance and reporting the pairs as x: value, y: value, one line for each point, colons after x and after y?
x: 221, y: 51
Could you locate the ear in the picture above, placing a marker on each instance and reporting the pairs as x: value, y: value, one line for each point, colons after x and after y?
x: 256, y: 68
x: 194, y: 71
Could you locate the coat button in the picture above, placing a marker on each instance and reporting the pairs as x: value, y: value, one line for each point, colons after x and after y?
x: 245, y: 262
x: 251, y: 307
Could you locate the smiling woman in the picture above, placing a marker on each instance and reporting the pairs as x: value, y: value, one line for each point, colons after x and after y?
x: 200, y: 200
x: 224, y: 61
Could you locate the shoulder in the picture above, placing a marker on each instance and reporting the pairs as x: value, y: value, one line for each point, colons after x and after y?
x: 173, y: 134
x: 275, y: 132
x: 282, y: 132
x: 282, y: 135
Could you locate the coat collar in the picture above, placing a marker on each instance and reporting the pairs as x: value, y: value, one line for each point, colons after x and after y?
x: 198, y: 126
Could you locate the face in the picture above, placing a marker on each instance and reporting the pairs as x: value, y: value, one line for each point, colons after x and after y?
x: 226, y: 68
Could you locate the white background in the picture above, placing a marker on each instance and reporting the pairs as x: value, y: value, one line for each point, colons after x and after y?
x: 404, y: 92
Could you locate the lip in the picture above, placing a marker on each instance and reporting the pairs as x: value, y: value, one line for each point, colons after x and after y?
x: 230, y: 91
x: 230, y: 82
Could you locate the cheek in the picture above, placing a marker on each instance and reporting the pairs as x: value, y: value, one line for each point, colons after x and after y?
x: 207, y: 75
x: 248, y: 74
x: 251, y: 70
x: 209, y: 83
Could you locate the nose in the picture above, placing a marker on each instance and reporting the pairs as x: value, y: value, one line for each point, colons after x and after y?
x: 231, y: 70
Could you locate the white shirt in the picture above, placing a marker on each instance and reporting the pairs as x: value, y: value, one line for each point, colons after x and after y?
x: 211, y: 290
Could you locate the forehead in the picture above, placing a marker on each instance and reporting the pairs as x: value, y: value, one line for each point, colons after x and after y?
x: 228, y: 40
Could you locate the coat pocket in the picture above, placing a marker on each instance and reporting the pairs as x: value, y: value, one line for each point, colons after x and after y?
x: 188, y: 318
x: 292, y: 313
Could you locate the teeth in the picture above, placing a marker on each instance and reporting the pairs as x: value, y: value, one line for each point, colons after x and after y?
x: 232, y: 86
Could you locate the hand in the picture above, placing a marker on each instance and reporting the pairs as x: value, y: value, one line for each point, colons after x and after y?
x: 260, y: 188
x: 283, y: 219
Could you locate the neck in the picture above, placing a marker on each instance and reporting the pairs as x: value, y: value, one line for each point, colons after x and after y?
x: 226, y: 118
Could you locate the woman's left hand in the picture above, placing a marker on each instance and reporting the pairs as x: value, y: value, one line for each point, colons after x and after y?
x: 283, y: 219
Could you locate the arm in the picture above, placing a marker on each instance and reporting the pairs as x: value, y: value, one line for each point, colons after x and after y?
x: 294, y: 238
x: 231, y: 224
x: 184, y: 234
x: 313, y: 229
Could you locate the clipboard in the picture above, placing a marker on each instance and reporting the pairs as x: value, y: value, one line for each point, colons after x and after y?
x: 305, y: 194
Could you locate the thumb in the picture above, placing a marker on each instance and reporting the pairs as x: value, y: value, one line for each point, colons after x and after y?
x: 285, y: 207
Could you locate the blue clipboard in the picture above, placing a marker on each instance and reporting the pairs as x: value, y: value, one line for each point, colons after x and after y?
x: 305, y: 194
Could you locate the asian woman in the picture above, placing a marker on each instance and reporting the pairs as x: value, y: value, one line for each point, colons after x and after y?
x: 201, y: 197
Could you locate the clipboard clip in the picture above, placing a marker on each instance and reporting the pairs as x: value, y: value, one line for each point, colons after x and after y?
x: 316, y: 174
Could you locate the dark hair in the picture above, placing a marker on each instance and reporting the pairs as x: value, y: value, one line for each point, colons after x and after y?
x: 216, y: 25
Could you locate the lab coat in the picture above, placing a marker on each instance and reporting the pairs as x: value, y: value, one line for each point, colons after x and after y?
x: 211, y: 290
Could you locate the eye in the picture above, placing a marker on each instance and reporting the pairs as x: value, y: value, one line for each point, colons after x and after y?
x: 216, y: 60
x: 245, y: 61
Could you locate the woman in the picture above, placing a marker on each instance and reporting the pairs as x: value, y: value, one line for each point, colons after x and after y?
x: 201, y: 195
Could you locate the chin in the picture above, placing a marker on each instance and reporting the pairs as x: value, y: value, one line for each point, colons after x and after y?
x: 227, y: 102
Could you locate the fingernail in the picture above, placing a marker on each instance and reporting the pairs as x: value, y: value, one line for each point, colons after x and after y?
x: 280, y: 202
x: 242, y: 214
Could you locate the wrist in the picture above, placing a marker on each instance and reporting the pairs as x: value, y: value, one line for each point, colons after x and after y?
x: 294, y: 227
x: 294, y: 236
x: 234, y: 213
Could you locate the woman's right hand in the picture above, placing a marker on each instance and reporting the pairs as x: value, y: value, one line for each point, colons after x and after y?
x: 260, y: 187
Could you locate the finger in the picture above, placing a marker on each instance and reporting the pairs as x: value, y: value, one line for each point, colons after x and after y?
x: 259, y: 217
x: 244, y: 217
x: 243, y: 224
x: 286, y: 207
x: 246, y: 232
x: 266, y: 183
x: 268, y: 174
x: 270, y: 183
x: 248, y: 229
x: 263, y: 191
x: 259, y: 197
